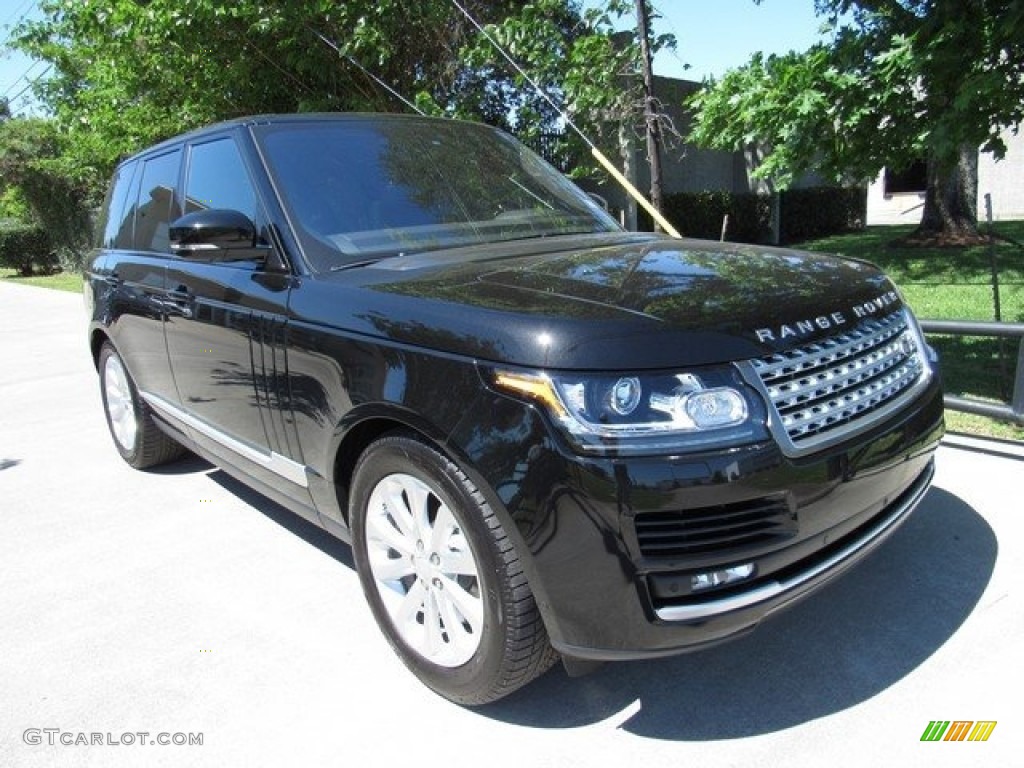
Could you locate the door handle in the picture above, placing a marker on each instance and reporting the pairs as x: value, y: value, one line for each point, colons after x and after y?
x: 181, y: 298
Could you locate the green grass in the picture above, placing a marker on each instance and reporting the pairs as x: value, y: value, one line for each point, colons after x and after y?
x: 955, y: 284
x: 943, y: 283
x: 62, y: 281
x: 970, y: 424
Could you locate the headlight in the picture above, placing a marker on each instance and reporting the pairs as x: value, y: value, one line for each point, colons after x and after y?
x: 646, y: 413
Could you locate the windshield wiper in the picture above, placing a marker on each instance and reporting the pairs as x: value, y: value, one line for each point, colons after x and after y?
x: 546, y: 233
x: 362, y: 263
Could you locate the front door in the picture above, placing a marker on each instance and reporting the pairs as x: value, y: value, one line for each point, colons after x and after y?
x: 225, y: 333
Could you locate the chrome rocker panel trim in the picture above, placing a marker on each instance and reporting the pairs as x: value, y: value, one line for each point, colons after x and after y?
x: 273, y: 461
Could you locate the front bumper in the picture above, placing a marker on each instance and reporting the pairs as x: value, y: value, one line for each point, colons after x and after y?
x: 828, y: 562
x: 610, y: 589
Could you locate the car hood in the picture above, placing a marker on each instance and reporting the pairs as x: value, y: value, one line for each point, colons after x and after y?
x: 613, y: 302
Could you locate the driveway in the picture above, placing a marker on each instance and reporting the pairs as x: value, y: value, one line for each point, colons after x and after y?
x: 178, y: 604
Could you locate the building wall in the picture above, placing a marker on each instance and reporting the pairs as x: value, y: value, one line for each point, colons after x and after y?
x: 1003, y: 179
x: 685, y: 168
x: 901, y: 208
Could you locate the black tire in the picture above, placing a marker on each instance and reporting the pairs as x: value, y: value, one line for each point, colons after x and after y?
x: 511, y: 643
x: 145, y: 445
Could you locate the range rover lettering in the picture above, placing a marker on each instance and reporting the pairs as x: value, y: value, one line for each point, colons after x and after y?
x: 544, y: 436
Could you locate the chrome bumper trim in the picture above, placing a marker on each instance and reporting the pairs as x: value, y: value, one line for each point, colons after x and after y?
x: 774, y: 589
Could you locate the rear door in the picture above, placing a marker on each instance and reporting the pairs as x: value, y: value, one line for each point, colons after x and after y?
x: 130, y: 278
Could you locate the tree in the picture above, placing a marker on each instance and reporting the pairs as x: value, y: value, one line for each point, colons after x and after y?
x: 652, y: 125
x: 901, y: 81
x: 128, y: 73
x: 579, y: 59
x: 41, y: 189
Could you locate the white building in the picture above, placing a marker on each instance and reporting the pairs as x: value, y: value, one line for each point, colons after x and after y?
x: 898, y: 198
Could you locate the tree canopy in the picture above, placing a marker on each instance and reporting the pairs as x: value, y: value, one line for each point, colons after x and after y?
x: 37, y: 183
x: 127, y: 73
x: 900, y: 81
x: 575, y: 58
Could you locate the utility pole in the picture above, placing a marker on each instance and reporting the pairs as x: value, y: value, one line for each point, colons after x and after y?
x: 654, y: 141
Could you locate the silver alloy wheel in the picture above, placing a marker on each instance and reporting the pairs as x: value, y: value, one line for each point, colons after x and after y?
x: 120, y: 407
x: 424, y: 570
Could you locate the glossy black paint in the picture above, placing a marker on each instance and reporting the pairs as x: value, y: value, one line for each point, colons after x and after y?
x: 309, y: 366
x: 590, y: 302
x: 568, y: 509
x: 214, y: 235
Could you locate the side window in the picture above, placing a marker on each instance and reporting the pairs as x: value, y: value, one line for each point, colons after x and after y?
x: 157, y: 205
x: 118, y: 219
x: 217, y: 179
x: 913, y: 178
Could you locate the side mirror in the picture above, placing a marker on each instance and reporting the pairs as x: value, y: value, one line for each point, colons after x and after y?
x: 215, y: 234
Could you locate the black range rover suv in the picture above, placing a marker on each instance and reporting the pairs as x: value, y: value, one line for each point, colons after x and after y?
x: 541, y: 434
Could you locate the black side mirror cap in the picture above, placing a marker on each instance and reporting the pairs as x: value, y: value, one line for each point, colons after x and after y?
x: 215, y: 234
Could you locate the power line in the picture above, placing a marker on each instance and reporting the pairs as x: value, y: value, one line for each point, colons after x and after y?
x: 598, y: 155
x: 23, y: 76
x: 32, y: 82
x: 248, y: 41
x: 18, y: 10
x: 537, y: 89
x: 24, y: 10
x: 368, y: 73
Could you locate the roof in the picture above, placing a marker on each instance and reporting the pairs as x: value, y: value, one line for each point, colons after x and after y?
x: 280, y: 118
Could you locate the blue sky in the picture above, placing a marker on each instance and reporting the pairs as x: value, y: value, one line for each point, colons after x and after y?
x: 713, y: 35
x: 14, y: 66
x: 716, y: 35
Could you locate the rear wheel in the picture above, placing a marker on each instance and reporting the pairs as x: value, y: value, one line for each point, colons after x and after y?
x: 137, y: 437
x: 442, y: 577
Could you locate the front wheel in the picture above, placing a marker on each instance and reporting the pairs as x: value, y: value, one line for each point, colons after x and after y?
x: 444, y: 581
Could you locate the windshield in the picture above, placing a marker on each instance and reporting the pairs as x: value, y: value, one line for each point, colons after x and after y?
x: 361, y: 189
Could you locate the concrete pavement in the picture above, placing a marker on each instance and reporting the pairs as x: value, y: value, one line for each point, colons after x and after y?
x: 179, y: 602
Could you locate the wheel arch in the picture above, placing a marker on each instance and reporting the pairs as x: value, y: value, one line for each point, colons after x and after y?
x: 363, y: 428
x: 97, y: 337
x: 371, y: 423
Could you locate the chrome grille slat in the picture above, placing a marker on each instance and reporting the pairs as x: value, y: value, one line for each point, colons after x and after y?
x: 836, y: 348
x: 826, y: 387
x: 836, y: 379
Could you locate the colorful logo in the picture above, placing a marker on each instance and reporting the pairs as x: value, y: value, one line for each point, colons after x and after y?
x: 958, y: 730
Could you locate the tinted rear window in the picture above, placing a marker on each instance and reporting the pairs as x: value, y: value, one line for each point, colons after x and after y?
x: 117, y: 219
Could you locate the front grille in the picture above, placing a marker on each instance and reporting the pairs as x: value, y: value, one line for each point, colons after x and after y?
x: 822, y: 390
x: 709, y: 530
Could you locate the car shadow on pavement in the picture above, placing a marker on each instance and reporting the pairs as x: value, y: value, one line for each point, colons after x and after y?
x: 188, y: 464
x: 291, y: 522
x: 845, y: 644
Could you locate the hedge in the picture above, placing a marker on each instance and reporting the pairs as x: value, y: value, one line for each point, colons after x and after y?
x: 822, y: 211
x: 701, y: 215
x: 26, y: 248
x: 806, y: 213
